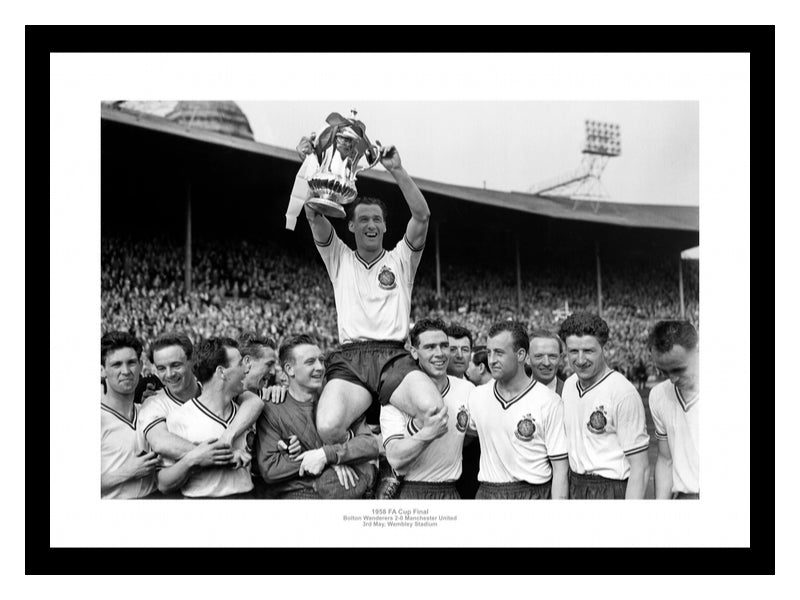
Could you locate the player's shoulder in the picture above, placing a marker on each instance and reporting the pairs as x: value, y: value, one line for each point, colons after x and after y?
x: 620, y: 384
x: 484, y: 389
x: 545, y: 395
x: 286, y: 409
x: 460, y: 384
x: 659, y: 393
x: 182, y: 412
x: 248, y: 395
x: 570, y: 386
x: 106, y: 416
x: 156, y: 400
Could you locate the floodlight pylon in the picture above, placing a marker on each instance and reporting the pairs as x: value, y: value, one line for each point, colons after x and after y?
x: 602, y: 143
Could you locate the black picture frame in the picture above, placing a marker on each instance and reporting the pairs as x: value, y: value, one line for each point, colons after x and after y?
x: 757, y: 41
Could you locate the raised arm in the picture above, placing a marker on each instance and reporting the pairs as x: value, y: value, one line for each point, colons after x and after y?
x: 417, y: 229
x: 320, y: 226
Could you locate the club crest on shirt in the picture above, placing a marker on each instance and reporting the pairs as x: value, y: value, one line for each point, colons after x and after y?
x: 387, y: 279
x: 597, y: 420
x: 250, y: 439
x: 462, y: 419
x: 525, y: 428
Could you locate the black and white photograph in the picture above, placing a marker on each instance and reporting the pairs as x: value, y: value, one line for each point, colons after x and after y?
x: 401, y: 301
x: 518, y: 321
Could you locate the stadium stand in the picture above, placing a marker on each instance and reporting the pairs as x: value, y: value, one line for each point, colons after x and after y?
x: 254, y: 285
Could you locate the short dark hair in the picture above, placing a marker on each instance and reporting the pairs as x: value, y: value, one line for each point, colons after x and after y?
x: 480, y: 356
x: 667, y: 334
x: 290, y: 343
x: 546, y: 333
x: 114, y: 340
x: 252, y: 344
x: 518, y: 333
x: 351, y: 208
x: 424, y: 325
x: 171, y: 338
x: 458, y: 331
x: 210, y: 354
x: 584, y: 323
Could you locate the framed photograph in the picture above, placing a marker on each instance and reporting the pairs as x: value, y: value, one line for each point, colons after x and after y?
x: 558, y: 181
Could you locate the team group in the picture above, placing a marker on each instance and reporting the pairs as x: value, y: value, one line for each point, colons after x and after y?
x: 385, y: 395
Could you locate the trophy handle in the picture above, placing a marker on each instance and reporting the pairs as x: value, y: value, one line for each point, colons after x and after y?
x: 375, y: 151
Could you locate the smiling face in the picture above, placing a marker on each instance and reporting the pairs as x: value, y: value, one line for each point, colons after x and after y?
x: 586, y: 357
x: 681, y: 366
x: 307, y: 368
x: 234, y: 372
x: 545, y: 355
x: 368, y: 226
x: 432, y: 352
x: 460, y: 352
x: 121, y: 371
x: 174, y: 369
x: 259, y: 369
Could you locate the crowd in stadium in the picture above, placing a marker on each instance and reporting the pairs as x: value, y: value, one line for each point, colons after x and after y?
x: 257, y: 286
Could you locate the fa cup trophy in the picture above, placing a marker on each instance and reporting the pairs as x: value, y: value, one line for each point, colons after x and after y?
x: 342, y: 151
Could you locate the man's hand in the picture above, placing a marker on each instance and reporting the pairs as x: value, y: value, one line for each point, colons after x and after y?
x: 241, y: 459
x: 294, y: 447
x: 212, y: 453
x: 435, y: 424
x: 226, y: 438
x: 143, y: 465
x: 390, y: 158
x: 313, y: 461
x: 275, y: 394
x: 306, y: 146
x: 347, y: 476
x: 148, y: 391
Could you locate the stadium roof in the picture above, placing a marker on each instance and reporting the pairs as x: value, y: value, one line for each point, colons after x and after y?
x: 684, y: 218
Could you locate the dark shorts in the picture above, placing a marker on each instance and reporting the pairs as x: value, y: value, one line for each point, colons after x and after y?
x: 328, y: 487
x: 516, y: 490
x: 379, y: 367
x: 240, y: 496
x: 595, y: 487
x: 428, y: 490
x: 176, y: 495
x: 685, y: 496
x: 301, y: 494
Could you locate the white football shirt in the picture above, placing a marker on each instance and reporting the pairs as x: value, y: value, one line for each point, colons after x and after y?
x: 678, y: 422
x: 519, y: 436
x: 605, y: 423
x: 121, y: 440
x: 440, y: 461
x: 157, y: 408
x: 373, y: 300
x: 196, y: 423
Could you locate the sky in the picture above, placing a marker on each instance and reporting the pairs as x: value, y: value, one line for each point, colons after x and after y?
x: 514, y: 145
